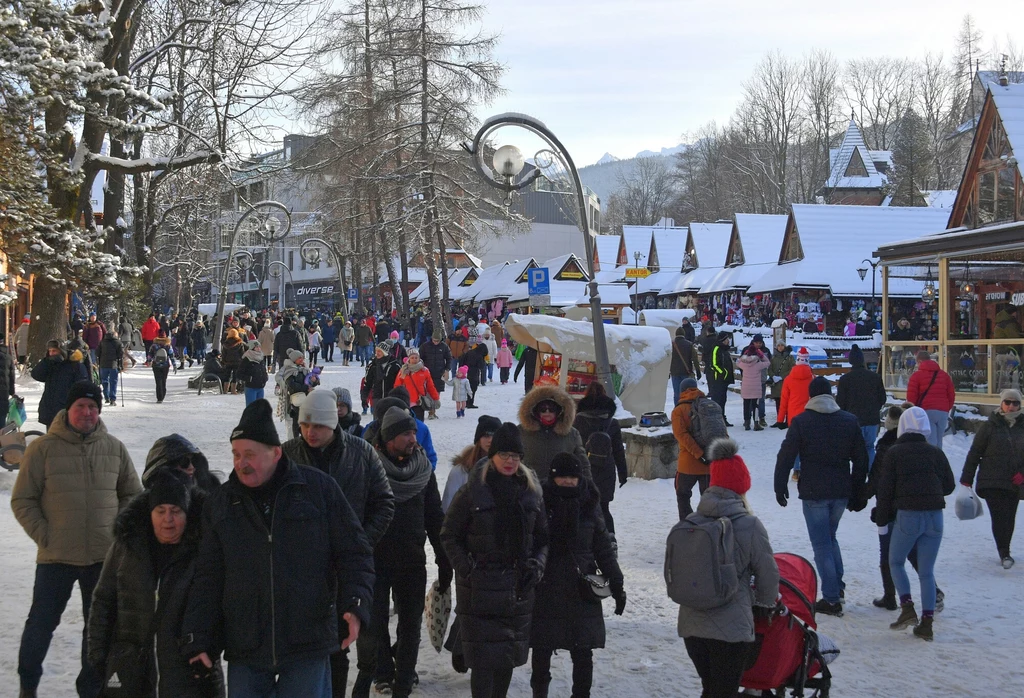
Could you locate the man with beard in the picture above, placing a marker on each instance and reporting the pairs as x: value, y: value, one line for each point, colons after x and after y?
x: 400, y: 560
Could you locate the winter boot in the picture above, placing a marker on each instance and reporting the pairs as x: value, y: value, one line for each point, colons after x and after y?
x: 1007, y: 562
x: 540, y: 684
x: 746, y: 425
x: 758, y: 426
x: 924, y: 629
x: 887, y: 602
x: 888, y: 598
x: 762, y: 422
x: 908, y: 616
x: 828, y: 608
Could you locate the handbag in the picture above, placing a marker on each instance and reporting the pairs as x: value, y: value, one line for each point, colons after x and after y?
x: 594, y: 586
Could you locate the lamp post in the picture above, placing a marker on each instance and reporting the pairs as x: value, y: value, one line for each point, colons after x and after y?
x: 274, y: 272
x: 273, y: 222
x: 309, y: 252
x: 636, y: 290
x: 863, y: 271
x: 508, y: 163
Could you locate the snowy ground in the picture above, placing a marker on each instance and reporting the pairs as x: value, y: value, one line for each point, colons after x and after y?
x: 978, y: 638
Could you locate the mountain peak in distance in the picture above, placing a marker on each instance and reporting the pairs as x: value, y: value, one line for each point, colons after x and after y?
x: 606, y: 158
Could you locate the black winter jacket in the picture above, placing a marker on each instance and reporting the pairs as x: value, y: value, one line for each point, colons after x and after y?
x: 474, y: 359
x: 58, y: 374
x: 253, y: 374
x: 494, y: 605
x: 437, y: 358
x: 287, y: 338
x: 827, y: 440
x: 198, y: 339
x: 356, y: 467
x: 380, y: 378
x: 861, y: 393
x: 597, y: 414
x: 563, y: 618
x: 996, y: 455
x: 7, y: 377
x: 416, y: 519
x: 133, y: 601
x: 683, y: 347
x: 269, y: 596
x: 110, y: 353
x: 915, y: 477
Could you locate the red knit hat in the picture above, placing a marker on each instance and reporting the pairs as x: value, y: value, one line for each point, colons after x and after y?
x: 803, y: 356
x: 727, y: 469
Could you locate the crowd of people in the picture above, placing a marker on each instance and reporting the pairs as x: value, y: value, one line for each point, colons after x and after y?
x: 260, y: 585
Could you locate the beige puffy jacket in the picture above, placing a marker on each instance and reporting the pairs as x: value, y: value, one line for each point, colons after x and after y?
x: 69, y: 490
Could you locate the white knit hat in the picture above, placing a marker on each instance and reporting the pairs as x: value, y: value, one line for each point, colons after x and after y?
x: 914, y: 421
x: 803, y: 356
x: 320, y: 407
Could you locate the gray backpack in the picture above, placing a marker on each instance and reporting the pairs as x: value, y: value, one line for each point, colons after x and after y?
x: 707, y: 423
x: 700, y: 567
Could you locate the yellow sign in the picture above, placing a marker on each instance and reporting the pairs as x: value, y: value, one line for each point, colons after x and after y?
x: 571, y: 274
x: 637, y: 273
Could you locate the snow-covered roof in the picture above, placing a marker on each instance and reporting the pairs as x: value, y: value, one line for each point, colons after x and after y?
x: 940, y: 198
x: 655, y: 282
x: 637, y: 238
x: 853, y: 146
x: 563, y: 293
x: 607, y: 248
x: 611, y: 275
x: 611, y: 294
x: 836, y: 239
x: 455, y: 277
x: 710, y: 243
x: 1009, y: 101
x: 466, y: 293
x: 669, y: 283
x: 759, y: 238
x: 504, y: 283
x: 670, y: 244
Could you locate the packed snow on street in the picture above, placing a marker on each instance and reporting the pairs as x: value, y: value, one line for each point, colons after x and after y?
x: 977, y: 644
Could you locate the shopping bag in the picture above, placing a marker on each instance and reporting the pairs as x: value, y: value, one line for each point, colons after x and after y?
x: 968, y: 504
x: 16, y: 411
x: 437, y: 609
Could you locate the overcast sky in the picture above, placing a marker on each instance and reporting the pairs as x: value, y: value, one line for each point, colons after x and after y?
x: 627, y: 75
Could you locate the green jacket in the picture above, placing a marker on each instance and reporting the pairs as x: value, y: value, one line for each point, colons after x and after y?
x: 69, y: 490
x: 782, y: 363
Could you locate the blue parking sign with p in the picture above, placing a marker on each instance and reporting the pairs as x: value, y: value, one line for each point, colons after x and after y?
x: 539, y: 283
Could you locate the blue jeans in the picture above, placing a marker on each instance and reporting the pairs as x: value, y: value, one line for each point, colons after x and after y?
x: 923, y: 529
x: 870, y: 435
x: 307, y: 678
x: 53, y: 586
x: 938, y: 420
x: 822, y: 517
x: 676, y: 380
x: 490, y: 371
x: 252, y: 394
x: 108, y: 379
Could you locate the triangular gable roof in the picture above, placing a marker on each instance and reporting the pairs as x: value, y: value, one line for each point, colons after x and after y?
x: 635, y: 238
x: 504, y: 283
x: 485, y: 277
x: 1003, y: 107
x: 754, y: 248
x: 833, y: 241
x: 606, y: 251
x: 670, y: 244
x: 456, y: 278
x: 707, y: 244
x: 564, y: 291
x: 852, y: 148
x: 567, y: 267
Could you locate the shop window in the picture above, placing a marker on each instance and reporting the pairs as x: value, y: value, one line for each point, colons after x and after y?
x: 987, y: 301
x: 967, y: 366
x: 899, y: 361
x: 911, y: 318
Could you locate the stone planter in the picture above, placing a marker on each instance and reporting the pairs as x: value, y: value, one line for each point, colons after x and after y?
x: 651, y: 453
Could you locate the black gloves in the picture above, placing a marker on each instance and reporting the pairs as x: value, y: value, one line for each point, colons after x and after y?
x: 445, y: 573
x: 854, y: 504
x: 531, y: 575
x: 781, y: 425
x: 205, y: 681
x: 622, y: 483
x: 619, y: 594
x: 782, y: 498
x: 704, y: 460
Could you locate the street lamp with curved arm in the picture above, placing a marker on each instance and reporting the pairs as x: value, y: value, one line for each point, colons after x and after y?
x: 311, y: 254
x: 508, y: 163
x: 274, y: 221
x: 272, y: 268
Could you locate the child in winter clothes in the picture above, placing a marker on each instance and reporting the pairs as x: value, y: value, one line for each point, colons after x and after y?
x: 504, y: 361
x: 461, y: 390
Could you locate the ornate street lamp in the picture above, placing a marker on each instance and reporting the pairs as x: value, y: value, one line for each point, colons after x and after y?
x: 863, y: 271
x: 508, y: 163
x: 269, y: 221
x: 274, y: 270
x: 311, y: 254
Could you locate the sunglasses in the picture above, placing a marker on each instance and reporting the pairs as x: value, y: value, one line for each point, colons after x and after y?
x: 1014, y: 403
x: 552, y: 410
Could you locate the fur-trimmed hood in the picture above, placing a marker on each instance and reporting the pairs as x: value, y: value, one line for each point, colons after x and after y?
x: 134, y: 527
x: 598, y: 405
x: 529, y: 422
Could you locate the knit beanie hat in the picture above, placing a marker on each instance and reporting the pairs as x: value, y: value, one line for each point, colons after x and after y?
x: 507, y: 439
x: 462, y: 372
x: 504, y: 343
x: 727, y: 468
x: 320, y: 407
x: 402, y: 393
x: 84, y: 389
x: 396, y: 422
x: 687, y: 384
x: 914, y: 421
x: 344, y: 396
x: 892, y: 417
x: 438, y: 334
x: 856, y: 357
x: 393, y: 335
x: 295, y: 355
x: 168, y: 487
x: 565, y: 465
x: 486, y: 426
x: 257, y: 424
x: 384, y: 347
x: 1010, y: 394
x: 819, y: 386
x: 803, y: 356
x: 381, y: 407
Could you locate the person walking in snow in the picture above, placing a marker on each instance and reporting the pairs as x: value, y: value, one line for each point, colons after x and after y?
x: 912, y: 489
x: 346, y: 342
x: 252, y: 373
x: 719, y: 370
x: 415, y: 378
x: 357, y: 468
x: 21, y: 340
x: 313, y: 341
x: 287, y: 338
x: 685, y: 360
x: 996, y: 458
x: 795, y: 394
x: 110, y: 357
x: 58, y: 372
x: 931, y: 389
x: 495, y: 536
x: 462, y: 390
x: 751, y: 363
x: 125, y: 334
x: 596, y: 414
x: 564, y: 618
x: 546, y: 417
x: 71, y: 485
x: 720, y: 640
x: 862, y: 393
x: 504, y: 361
x: 266, y: 340
x: 471, y: 456
x: 692, y: 465
x: 381, y: 374
x: 348, y: 418
x: 827, y: 441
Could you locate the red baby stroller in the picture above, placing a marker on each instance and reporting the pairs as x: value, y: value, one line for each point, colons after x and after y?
x: 790, y: 656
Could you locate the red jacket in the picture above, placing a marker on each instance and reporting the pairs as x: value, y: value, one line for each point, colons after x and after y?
x: 940, y: 396
x: 418, y: 383
x: 796, y: 391
x: 150, y: 329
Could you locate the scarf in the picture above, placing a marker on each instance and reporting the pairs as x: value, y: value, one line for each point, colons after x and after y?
x: 1011, y: 417
x: 408, y: 479
x: 508, y: 519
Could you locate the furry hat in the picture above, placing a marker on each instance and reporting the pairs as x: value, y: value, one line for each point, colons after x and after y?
x: 727, y: 468
x: 914, y: 421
